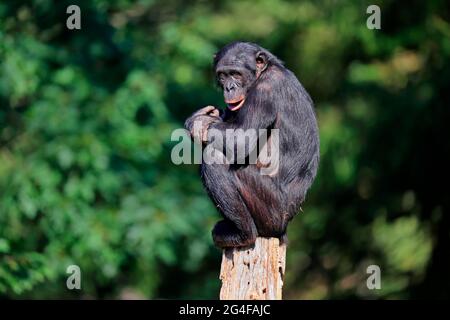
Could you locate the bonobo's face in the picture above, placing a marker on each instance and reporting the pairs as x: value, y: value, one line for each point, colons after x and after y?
x: 237, y: 69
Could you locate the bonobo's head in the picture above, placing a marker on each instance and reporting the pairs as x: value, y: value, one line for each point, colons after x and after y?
x: 238, y: 65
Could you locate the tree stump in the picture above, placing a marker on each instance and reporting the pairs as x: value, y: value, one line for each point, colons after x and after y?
x: 253, y: 273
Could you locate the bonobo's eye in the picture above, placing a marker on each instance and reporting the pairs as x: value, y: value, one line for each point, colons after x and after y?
x: 221, y: 77
x: 235, y: 74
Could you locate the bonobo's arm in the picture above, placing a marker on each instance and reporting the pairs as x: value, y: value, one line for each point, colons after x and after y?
x: 197, y: 124
x: 252, y: 116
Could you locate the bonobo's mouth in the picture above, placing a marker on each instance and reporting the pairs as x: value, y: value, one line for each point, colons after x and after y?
x: 234, y: 105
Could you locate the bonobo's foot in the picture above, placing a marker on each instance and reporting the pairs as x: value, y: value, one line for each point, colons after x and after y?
x: 226, y: 235
x: 284, y: 239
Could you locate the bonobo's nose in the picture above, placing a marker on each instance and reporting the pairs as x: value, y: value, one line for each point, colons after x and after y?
x: 230, y: 87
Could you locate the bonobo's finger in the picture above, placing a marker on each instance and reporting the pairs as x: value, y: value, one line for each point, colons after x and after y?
x: 197, y: 133
x: 214, y: 113
x: 205, y: 135
x: 205, y: 127
x: 207, y: 120
x: 205, y: 110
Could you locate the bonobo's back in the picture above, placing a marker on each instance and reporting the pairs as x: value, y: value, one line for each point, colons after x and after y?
x: 299, y: 141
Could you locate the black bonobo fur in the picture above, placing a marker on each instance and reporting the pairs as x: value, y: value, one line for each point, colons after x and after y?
x: 261, y: 94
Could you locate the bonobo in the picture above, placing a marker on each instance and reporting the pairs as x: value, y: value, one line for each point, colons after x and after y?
x: 260, y: 93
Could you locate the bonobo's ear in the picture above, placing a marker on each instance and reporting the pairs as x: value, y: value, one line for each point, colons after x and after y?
x: 261, y: 63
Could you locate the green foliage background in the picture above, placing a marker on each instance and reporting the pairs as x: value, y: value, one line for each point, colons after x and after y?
x: 85, y: 124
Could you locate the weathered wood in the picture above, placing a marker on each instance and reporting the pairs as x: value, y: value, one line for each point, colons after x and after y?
x: 254, y: 273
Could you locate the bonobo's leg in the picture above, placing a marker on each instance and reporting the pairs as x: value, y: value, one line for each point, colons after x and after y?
x: 265, y: 201
x: 238, y: 228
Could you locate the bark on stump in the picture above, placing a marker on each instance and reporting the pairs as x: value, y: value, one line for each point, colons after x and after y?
x: 253, y: 273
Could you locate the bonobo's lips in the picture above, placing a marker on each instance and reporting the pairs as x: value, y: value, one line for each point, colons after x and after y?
x: 236, y: 104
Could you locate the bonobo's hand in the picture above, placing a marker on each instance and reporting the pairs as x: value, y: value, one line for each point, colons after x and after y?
x: 208, y: 110
x: 199, y: 122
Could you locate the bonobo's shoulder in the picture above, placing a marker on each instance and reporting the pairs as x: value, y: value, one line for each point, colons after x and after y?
x: 291, y: 82
x: 281, y: 75
x: 272, y: 78
x: 276, y: 78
